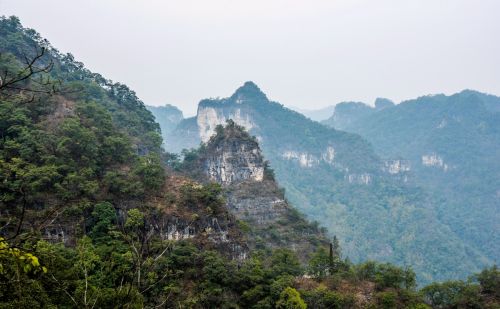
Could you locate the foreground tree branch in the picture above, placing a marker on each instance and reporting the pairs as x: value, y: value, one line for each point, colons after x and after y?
x: 16, y: 81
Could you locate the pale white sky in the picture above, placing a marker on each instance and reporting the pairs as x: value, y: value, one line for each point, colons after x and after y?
x: 307, y: 54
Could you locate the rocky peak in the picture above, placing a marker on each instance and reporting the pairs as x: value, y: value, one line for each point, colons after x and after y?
x: 233, y: 159
x: 233, y: 156
x: 248, y: 92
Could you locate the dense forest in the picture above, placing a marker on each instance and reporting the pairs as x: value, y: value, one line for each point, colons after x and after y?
x: 88, y: 197
x: 338, y: 179
x: 450, y: 145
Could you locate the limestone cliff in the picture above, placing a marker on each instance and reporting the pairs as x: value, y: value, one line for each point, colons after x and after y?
x: 186, y: 214
x: 233, y: 159
x: 181, y: 213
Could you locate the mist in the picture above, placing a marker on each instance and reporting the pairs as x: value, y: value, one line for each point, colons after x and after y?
x: 306, y: 54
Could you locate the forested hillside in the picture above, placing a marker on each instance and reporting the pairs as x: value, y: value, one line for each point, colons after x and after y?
x: 451, y: 144
x: 373, y: 205
x: 93, y: 214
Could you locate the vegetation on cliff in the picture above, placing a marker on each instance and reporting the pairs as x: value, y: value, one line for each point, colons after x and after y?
x: 337, y: 179
x: 451, y: 144
x: 91, y: 218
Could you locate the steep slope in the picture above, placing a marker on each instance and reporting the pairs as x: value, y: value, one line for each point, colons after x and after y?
x: 168, y: 116
x: 186, y: 135
x: 83, y: 147
x: 452, y: 144
x: 70, y: 140
x: 233, y: 159
x: 66, y: 153
x: 337, y: 179
x: 90, y: 146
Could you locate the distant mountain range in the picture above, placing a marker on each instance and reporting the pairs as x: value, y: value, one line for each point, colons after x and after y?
x: 374, y: 201
x: 168, y: 116
x: 452, y: 145
x: 94, y: 213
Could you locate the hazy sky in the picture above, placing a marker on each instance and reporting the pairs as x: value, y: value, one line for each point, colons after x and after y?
x: 301, y: 53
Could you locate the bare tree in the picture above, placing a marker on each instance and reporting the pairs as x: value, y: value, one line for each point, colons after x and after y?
x: 33, y: 67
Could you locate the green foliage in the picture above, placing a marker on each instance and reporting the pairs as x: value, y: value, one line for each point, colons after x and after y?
x: 320, y: 264
x: 489, y: 280
x: 268, y: 171
x: 480, y: 291
x: 391, y: 218
x: 15, y: 259
x: 105, y: 275
x: 451, y: 294
x: 88, y: 160
x: 386, y: 275
x: 462, y: 130
x: 322, y: 297
x: 387, y: 300
x: 135, y: 220
x: 208, y: 197
x: 104, y: 216
x: 88, y: 142
x: 285, y: 262
x: 290, y: 299
x: 151, y: 172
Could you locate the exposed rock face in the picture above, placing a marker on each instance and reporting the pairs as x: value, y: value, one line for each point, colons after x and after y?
x: 329, y: 155
x: 210, y: 117
x: 297, y: 148
x: 260, y: 204
x: 250, y: 108
x: 212, y: 231
x: 434, y: 160
x: 397, y: 166
x: 233, y: 159
x: 55, y: 234
x: 169, y: 220
x: 210, y: 114
x: 303, y: 158
x: 209, y: 229
x: 308, y: 160
x: 363, y: 179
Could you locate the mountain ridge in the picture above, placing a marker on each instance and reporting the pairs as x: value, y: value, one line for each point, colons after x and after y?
x: 451, y: 142
x: 336, y: 178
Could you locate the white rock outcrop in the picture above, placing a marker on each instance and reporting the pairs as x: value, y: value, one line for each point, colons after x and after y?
x: 308, y: 160
x: 230, y: 166
x: 364, y: 178
x: 210, y: 117
x: 434, y: 160
x: 394, y: 167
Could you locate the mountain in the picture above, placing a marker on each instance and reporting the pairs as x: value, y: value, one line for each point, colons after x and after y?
x: 76, y: 140
x: 316, y: 114
x: 452, y: 144
x: 168, y: 116
x: 91, y: 215
x: 81, y: 146
x: 233, y: 159
x: 372, y: 205
x: 346, y: 113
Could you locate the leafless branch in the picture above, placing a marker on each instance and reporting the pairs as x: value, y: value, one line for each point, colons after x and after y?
x: 10, y: 81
